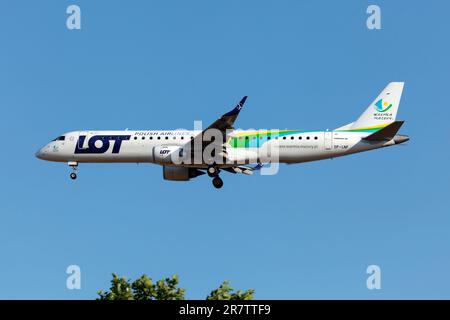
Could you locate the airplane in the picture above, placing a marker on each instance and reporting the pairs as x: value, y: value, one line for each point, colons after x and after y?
x: 186, y: 154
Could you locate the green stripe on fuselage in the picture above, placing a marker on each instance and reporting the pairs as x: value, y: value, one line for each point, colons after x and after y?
x: 366, y: 129
x: 255, y: 139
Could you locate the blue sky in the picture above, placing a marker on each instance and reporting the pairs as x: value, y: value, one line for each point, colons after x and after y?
x: 308, y: 232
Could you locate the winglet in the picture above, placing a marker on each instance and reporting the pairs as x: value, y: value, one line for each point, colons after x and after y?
x: 236, y: 109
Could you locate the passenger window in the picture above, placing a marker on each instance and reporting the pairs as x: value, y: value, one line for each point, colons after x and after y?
x: 300, y: 138
x: 284, y: 138
x: 159, y: 138
x: 292, y: 138
x: 307, y: 138
x: 151, y: 138
x: 315, y: 138
x: 135, y: 138
x: 167, y: 138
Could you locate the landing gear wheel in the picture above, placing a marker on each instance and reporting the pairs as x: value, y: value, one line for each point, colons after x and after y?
x: 212, y: 171
x: 74, y: 166
x: 217, y: 182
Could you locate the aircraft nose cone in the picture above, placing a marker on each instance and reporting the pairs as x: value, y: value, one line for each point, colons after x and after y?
x: 40, y: 154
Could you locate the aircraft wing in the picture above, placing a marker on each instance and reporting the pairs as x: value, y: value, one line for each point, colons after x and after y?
x: 224, y: 123
x: 227, y: 120
x: 248, y: 170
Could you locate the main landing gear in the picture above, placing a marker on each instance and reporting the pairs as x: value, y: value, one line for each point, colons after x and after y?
x: 213, y: 172
x: 217, y: 182
x: 74, y: 165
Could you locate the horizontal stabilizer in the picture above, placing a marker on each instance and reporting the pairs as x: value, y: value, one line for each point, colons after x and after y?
x: 387, y: 133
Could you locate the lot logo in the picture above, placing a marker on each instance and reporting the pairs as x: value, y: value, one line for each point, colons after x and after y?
x: 379, y: 105
x: 100, y: 144
x: 163, y: 152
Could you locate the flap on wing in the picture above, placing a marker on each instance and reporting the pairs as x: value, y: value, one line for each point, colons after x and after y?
x: 248, y: 170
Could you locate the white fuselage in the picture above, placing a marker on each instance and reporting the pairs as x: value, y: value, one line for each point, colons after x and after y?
x: 185, y: 154
x: 290, y: 146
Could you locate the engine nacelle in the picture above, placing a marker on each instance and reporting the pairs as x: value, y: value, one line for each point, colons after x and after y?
x: 180, y: 173
x: 164, y: 154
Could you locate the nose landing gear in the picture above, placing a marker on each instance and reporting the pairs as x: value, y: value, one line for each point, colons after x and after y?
x: 74, y: 165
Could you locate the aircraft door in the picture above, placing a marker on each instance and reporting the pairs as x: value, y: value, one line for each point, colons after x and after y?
x: 328, y: 140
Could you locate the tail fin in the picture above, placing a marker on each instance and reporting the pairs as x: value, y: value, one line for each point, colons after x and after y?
x: 382, y: 110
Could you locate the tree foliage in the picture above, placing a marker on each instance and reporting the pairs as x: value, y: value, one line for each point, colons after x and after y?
x: 144, y: 288
x: 225, y: 292
x: 120, y: 290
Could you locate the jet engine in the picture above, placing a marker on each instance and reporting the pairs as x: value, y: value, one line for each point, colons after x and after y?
x: 180, y: 173
x: 166, y: 154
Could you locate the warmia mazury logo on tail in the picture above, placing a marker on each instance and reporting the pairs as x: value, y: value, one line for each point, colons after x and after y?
x: 381, y: 106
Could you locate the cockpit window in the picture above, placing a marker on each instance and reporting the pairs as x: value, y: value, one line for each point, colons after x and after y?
x: 61, y: 138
